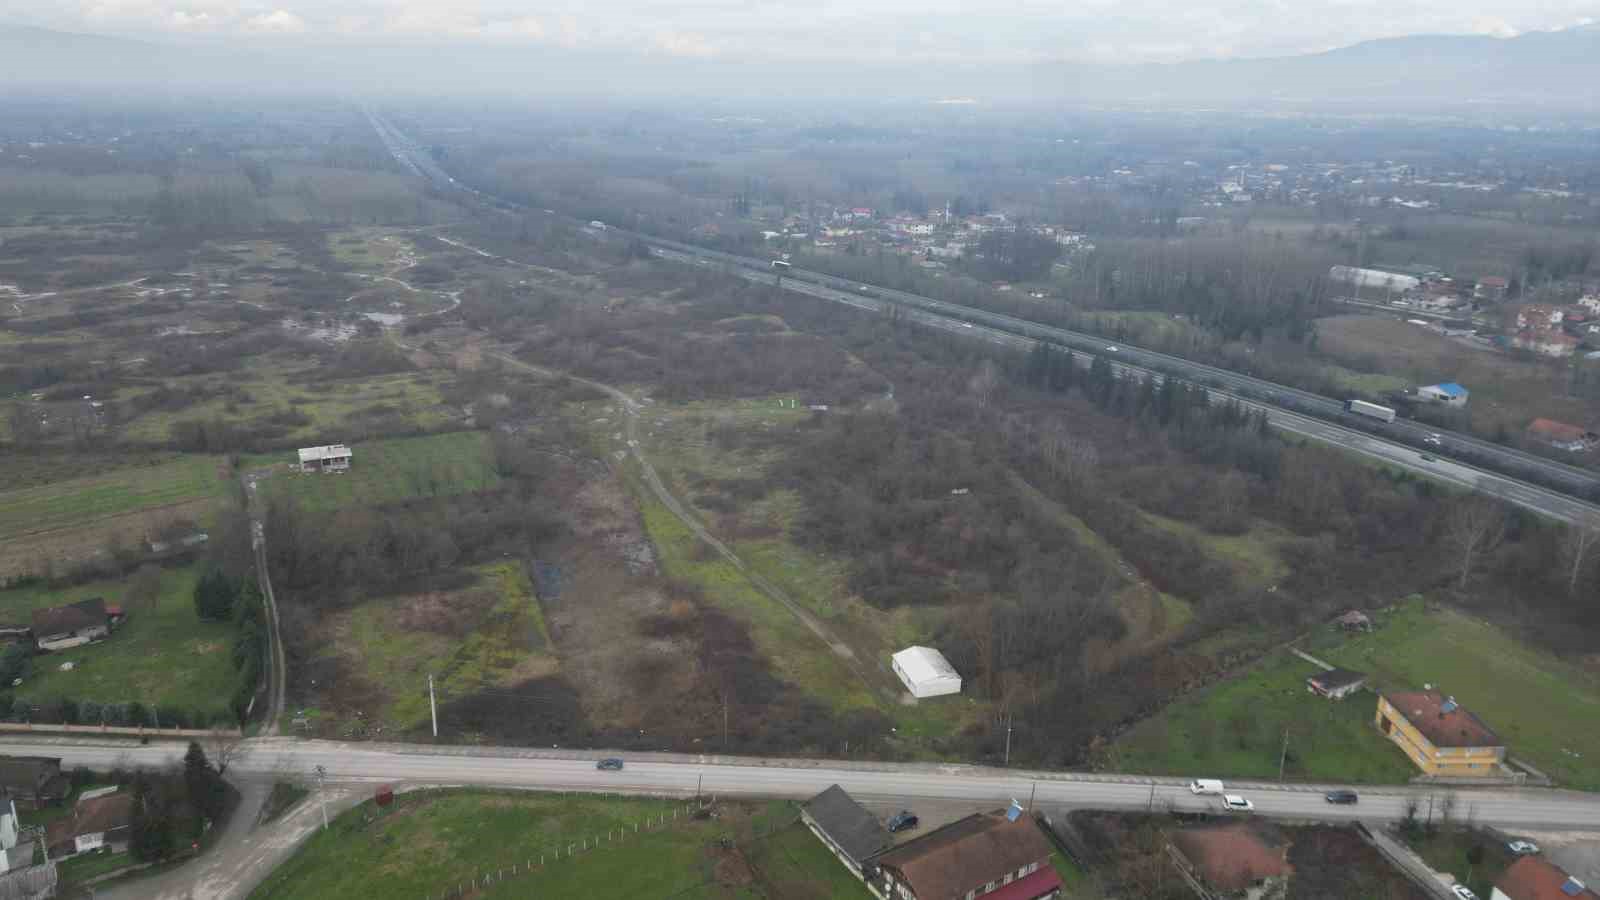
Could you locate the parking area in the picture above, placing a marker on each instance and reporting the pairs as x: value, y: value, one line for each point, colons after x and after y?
x: 1576, y: 852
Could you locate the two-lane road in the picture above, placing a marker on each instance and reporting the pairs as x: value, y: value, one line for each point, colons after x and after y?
x: 682, y: 775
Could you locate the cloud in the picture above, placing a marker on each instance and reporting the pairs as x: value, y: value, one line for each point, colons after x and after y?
x: 677, y: 43
x: 280, y: 21
x: 184, y: 20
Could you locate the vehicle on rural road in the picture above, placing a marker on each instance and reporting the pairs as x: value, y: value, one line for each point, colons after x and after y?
x: 904, y: 820
x: 1205, y: 786
x: 1523, y: 848
x: 1236, y: 803
x: 1429, y: 457
x: 609, y: 764
x: 1462, y: 892
x: 1344, y: 798
x: 1111, y: 349
x: 1433, y: 439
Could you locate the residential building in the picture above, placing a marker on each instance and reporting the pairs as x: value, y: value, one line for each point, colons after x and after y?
x: 1231, y: 859
x: 1388, y: 282
x: 15, y: 853
x: 33, y: 782
x: 1535, y: 878
x: 1440, y: 735
x: 1491, y: 289
x: 104, y: 821
x: 925, y: 672
x: 998, y: 855
x: 1546, y: 343
x: 1448, y: 393
x: 72, y: 625
x: 329, y: 458
x: 1539, y: 316
x: 853, y: 834
x: 1562, y: 436
x: 1336, y: 684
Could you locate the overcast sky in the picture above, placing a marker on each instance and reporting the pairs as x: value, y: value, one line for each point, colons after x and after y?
x: 933, y: 30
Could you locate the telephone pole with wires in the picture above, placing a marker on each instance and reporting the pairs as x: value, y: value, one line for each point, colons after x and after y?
x: 433, y: 708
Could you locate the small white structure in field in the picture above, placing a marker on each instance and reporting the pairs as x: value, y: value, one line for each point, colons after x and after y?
x: 331, y: 458
x: 926, y: 673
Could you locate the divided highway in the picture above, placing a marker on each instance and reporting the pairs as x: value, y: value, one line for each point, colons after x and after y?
x: 1499, y: 473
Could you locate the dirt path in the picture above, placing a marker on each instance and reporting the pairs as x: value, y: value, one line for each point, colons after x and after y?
x: 673, y: 505
x: 278, y: 668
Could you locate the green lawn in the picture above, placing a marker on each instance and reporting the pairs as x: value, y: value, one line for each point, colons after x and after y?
x: 435, y: 465
x: 81, y: 868
x: 1447, y: 851
x: 82, y: 500
x: 1235, y: 730
x: 1541, y: 706
x: 162, y: 655
x: 429, y: 841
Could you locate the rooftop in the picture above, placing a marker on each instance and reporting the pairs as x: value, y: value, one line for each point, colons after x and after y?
x: 924, y: 664
x: 968, y: 853
x: 1533, y: 878
x: 1550, y: 429
x: 1338, y: 678
x: 1451, y: 388
x: 1233, y: 857
x: 329, y: 451
x: 847, y: 824
x: 1442, y: 720
x: 71, y: 617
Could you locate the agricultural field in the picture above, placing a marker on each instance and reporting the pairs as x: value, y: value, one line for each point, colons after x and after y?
x: 162, y: 655
x: 1234, y: 729
x: 1543, y: 707
x: 488, y: 634
x: 1507, y: 392
x: 437, y: 465
x: 80, y: 501
x: 464, y: 833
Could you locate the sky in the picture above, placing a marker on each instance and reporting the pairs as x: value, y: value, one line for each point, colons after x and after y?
x: 931, y: 31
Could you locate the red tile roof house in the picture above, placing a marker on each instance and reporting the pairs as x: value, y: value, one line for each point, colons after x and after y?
x: 1561, y: 435
x: 1532, y: 878
x: 97, y: 822
x: 1231, y: 859
x: 984, y: 855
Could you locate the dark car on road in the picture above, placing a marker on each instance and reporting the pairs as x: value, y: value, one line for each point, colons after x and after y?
x: 610, y: 764
x: 1341, y: 797
x: 903, y: 820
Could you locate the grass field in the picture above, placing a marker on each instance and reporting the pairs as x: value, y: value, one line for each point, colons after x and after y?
x: 489, y: 635
x: 162, y: 655
x: 1235, y: 730
x: 1546, y: 710
x: 376, y: 405
x: 436, y: 465
x: 79, y: 501
x: 429, y: 841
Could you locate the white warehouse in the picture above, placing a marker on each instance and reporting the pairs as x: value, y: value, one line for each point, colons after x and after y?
x: 926, y: 673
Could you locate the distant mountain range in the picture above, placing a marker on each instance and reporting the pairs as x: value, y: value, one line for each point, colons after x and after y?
x: 1556, y: 70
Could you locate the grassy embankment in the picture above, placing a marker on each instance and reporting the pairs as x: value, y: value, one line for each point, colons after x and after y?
x: 80, y: 501
x: 436, y: 465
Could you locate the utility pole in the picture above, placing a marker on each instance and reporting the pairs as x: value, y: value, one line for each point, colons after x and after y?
x: 322, y: 794
x: 1151, y: 805
x: 433, y: 707
x: 1032, y: 792
x: 724, y: 721
x: 1008, y: 739
x: 1283, y: 754
x: 699, y: 782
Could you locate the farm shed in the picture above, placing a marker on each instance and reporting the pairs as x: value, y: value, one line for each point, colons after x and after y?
x: 926, y: 673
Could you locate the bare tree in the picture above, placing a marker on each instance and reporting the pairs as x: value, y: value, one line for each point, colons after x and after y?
x: 225, y: 747
x: 983, y: 384
x: 1577, y: 542
x: 1474, y: 526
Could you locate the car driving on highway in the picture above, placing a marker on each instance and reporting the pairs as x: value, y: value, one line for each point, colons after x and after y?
x: 1344, y: 798
x: 609, y: 764
x: 1236, y: 803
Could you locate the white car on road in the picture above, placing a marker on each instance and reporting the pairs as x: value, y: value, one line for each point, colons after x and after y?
x: 1236, y: 803
x: 1462, y: 892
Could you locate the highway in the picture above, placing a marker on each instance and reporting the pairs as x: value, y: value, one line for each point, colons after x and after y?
x: 1555, y: 489
x: 358, y: 764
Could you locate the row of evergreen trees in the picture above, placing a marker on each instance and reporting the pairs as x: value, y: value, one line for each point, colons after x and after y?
x: 218, y: 598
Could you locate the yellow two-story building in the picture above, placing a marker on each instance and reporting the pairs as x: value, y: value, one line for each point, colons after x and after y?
x: 1440, y: 735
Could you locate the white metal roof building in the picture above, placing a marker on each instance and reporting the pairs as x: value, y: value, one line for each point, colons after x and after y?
x: 926, y: 673
x: 328, y: 458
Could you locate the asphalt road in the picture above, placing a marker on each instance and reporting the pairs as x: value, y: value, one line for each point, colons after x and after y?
x: 350, y: 766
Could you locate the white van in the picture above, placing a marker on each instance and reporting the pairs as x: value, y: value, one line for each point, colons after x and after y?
x: 1205, y: 786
